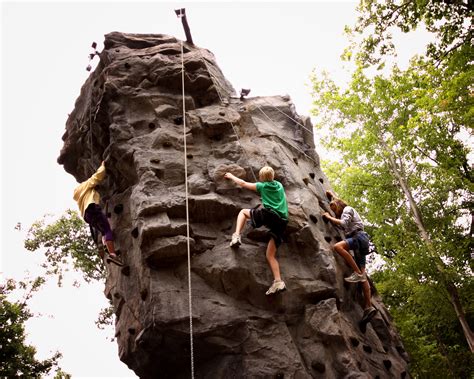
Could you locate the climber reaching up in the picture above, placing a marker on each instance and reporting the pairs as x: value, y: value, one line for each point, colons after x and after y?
x: 356, y: 240
x: 88, y: 199
x: 273, y: 214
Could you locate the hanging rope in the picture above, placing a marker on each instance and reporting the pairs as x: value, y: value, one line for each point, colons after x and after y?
x: 214, y: 80
x: 187, y: 216
x: 92, y: 119
x: 285, y: 140
x: 291, y: 118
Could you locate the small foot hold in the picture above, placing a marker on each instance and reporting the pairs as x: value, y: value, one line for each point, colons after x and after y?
x: 125, y: 270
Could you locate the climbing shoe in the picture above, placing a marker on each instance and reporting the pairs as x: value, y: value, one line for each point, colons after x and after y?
x: 114, y: 259
x: 235, y: 242
x: 355, y: 277
x: 277, y: 286
x: 368, y: 314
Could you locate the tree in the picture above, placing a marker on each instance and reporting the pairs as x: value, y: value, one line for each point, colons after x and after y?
x: 405, y: 167
x: 68, y: 241
x: 17, y: 359
x: 450, y: 21
x: 64, y: 241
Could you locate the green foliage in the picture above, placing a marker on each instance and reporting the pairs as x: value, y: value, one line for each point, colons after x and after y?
x: 449, y: 21
x: 64, y: 241
x: 17, y: 359
x: 67, y: 242
x: 408, y: 129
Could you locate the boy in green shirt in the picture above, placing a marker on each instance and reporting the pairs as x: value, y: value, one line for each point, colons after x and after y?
x: 273, y: 215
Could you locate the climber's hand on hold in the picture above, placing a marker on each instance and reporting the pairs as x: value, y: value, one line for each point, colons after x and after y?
x: 228, y: 175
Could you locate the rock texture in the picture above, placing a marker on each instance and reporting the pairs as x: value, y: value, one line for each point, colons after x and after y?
x: 130, y: 113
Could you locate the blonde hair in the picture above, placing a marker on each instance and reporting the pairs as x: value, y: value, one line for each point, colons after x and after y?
x: 337, y: 206
x: 266, y: 174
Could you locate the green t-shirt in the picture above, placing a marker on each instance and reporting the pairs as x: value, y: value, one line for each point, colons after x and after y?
x: 273, y: 197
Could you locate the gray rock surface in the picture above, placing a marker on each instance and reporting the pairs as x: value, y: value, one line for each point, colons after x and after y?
x: 130, y: 113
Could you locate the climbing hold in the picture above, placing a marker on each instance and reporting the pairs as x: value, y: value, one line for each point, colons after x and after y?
x: 354, y: 341
x: 135, y: 233
x: 328, y: 239
x: 131, y: 330
x: 338, y: 239
x: 151, y: 125
x: 295, y: 160
x: 313, y: 218
x: 127, y: 65
x: 387, y: 363
x: 189, y: 156
x: 367, y: 349
x: 144, y: 294
x: 306, y: 181
x: 118, y: 209
x: 311, y: 174
x: 321, y: 180
x: 178, y: 120
x: 125, y: 270
x: 318, y: 366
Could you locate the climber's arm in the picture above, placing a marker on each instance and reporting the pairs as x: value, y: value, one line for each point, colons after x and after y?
x: 241, y: 182
x: 333, y: 220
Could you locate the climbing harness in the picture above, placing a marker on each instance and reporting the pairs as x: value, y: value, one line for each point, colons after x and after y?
x: 181, y: 14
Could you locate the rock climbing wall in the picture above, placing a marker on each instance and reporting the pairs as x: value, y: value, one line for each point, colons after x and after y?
x: 130, y: 113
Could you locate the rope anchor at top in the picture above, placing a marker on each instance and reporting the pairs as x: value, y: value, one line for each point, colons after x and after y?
x: 181, y: 13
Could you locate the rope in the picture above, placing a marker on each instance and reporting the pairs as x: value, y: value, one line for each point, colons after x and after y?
x: 285, y: 140
x: 92, y: 119
x: 291, y: 118
x: 211, y: 75
x: 187, y: 217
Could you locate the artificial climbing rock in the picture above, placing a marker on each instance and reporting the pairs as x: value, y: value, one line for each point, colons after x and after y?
x: 130, y: 113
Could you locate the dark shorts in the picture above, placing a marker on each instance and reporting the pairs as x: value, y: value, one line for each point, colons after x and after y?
x: 97, y: 219
x: 265, y: 217
x: 359, y: 243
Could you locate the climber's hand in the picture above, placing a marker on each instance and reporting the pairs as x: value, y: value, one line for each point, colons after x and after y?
x: 228, y: 175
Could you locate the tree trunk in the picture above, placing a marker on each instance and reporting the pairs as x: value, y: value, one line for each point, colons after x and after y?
x: 399, y: 173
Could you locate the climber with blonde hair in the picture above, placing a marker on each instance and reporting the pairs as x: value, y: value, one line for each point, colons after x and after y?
x: 356, y: 240
x: 88, y: 199
x: 273, y: 214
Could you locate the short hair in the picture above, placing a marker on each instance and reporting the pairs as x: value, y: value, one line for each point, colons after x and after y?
x: 266, y: 174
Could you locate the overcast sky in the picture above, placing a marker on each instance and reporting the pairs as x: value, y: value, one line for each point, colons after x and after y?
x: 269, y: 47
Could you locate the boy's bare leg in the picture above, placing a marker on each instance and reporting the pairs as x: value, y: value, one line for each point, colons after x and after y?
x: 342, y: 248
x: 272, y: 262
x: 243, y: 216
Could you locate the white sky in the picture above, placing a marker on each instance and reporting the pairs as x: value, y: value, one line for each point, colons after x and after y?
x: 270, y: 47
